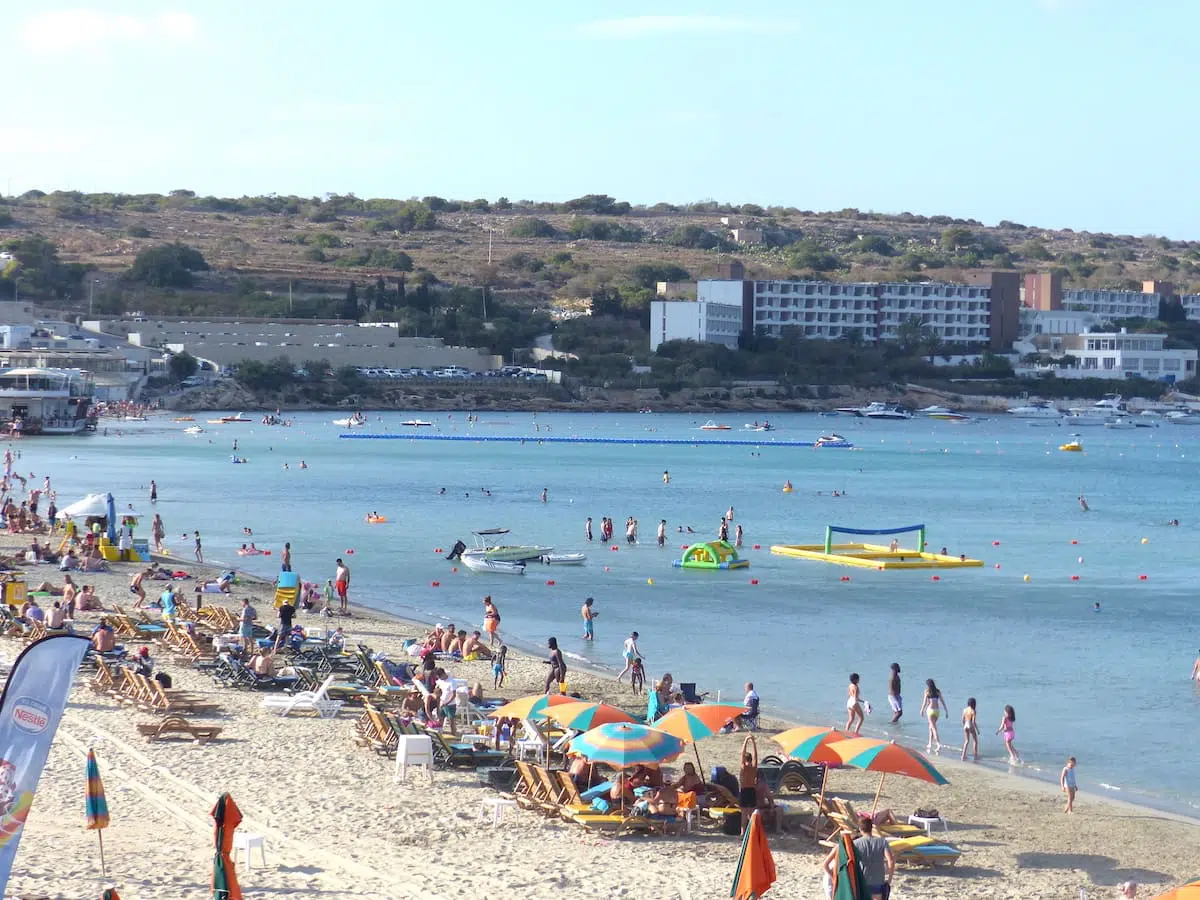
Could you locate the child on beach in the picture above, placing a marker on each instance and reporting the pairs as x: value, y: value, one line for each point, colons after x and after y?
x: 1009, y: 732
x: 498, y: 667
x: 1067, y: 782
x: 970, y: 728
x: 637, y: 676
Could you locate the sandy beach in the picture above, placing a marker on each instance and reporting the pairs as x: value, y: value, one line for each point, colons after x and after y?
x: 336, y: 825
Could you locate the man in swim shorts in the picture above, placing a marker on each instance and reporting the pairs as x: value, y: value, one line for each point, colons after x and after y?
x: 341, y: 583
x: 894, y: 698
x: 589, y: 617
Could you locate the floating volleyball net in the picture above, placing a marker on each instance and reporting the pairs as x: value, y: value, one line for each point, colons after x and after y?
x: 831, y: 530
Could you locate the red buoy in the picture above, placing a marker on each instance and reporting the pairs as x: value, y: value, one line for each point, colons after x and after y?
x: 754, y: 581
x: 435, y: 584
x: 1074, y: 577
x: 1141, y: 578
x: 936, y: 578
x: 550, y: 583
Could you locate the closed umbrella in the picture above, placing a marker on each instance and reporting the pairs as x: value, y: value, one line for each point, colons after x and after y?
x: 850, y: 884
x: 756, y: 866
x: 110, y: 512
x: 226, y: 817
x: 95, y: 803
x: 887, y: 758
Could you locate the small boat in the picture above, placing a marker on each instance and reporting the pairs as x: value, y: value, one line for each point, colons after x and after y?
x: 185, y: 418
x: 563, y: 559
x: 645, y: 410
x: 486, y: 547
x: 710, y: 425
x: 1071, y: 447
x: 756, y: 426
x: 238, y: 460
x: 358, y: 420
x: 942, y: 413
x: 375, y: 520
x: 828, y: 414
x: 1119, y: 422
x: 1035, y: 409
x: 417, y: 423
x: 479, y: 563
x: 238, y: 417
x: 833, y: 439
x: 193, y: 429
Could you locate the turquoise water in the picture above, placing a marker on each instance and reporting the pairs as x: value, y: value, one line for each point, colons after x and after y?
x: 1110, y: 688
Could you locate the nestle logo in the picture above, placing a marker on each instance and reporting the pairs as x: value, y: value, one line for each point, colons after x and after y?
x: 30, y: 715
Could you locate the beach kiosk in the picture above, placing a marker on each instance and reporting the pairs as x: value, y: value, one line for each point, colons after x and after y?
x: 711, y: 555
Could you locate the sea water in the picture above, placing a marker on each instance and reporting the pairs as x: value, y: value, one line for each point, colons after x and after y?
x: 1109, y: 687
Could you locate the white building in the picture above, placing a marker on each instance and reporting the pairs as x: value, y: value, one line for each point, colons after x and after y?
x: 1118, y: 354
x: 1112, y: 304
x: 1036, y: 322
x: 707, y: 321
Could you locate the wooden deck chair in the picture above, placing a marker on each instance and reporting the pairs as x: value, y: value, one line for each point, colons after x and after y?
x: 386, y: 740
x: 529, y: 791
x: 385, y: 687
x: 178, y: 726
x: 162, y: 702
x: 846, y: 808
x: 568, y: 798
x: 103, y: 682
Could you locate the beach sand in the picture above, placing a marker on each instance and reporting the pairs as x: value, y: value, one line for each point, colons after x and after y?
x: 337, y: 826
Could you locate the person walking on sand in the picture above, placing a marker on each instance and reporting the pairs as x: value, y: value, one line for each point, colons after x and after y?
x: 589, y: 617
x: 135, y: 587
x: 158, y: 531
x: 1066, y: 781
x: 341, y: 581
x: 557, y: 675
x: 662, y: 532
x: 895, y: 699
x: 631, y: 652
x: 1008, y: 731
x: 587, y: 528
x: 198, y: 551
x: 285, y: 561
x: 491, y: 619
x: 970, y: 727
x: 854, y: 708
x: 932, y: 706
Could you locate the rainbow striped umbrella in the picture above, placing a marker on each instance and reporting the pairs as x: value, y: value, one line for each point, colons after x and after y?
x: 95, y: 804
x: 624, y: 745
x: 582, y: 716
x: 887, y: 758
x: 527, y: 707
x: 807, y: 742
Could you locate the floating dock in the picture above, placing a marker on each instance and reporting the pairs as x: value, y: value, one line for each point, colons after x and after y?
x: 875, y: 556
x: 539, y: 439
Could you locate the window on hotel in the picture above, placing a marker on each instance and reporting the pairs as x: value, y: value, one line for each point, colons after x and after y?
x: 1110, y: 362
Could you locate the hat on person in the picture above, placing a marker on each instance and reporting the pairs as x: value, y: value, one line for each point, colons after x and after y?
x: 145, y: 651
x: 439, y: 627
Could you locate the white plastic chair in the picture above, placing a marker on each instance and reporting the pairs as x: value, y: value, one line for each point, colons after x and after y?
x: 413, y: 750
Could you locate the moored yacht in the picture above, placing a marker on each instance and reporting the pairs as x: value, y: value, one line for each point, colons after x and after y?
x: 45, y: 401
x: 1035, y: 409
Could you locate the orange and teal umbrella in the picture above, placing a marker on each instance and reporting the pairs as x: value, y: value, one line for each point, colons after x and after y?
x: 110, y: 894
x: 226, y: 817
x: 525, y: 707
x: 624, y: 745
x: 806, y: 742
x: 756, y: 866
x: 887, y: 758
x: 95, y: 805
x: 1189, y: 891
x: 584, y: 716
x: 699, y: 720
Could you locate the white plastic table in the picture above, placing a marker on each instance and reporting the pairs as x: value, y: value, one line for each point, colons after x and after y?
x: 928, y: 822
x: 495, y: 806
x: 413, y: 750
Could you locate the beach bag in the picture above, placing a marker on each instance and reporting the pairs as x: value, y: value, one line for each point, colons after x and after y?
x: 600, y: 804
x: 164, y: 679
x: 732, y: 823
x: 927, y: 813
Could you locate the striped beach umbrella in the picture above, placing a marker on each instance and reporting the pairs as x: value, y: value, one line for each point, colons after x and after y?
x: 96, y: 805
x: 697, y: 721
x: 887, y: 758
x: 226, y: 817
x: 624, y: 745
x: 583, y: 716
x: 528, y: 707
x: 806, y: 742
x: 110, y: 894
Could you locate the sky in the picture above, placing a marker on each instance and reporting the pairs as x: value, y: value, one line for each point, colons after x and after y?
x: 1057, y: 113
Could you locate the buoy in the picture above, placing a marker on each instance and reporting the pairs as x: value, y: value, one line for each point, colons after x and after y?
x: 1145, y: 540
x: 435, y: 584
x: 614, y: 547
x: 758, y: 546
x: 550, y: 583
x: 997, y: 565
x: 845, y: 578
x: 437, y: 549
x: 606, y: 568
x: 349, y: 552
x: 1141, y: 578
x: 1026, y: 577
x: 649, y: 581
x: 754, y: 581
x: 683, y: 546
x: 995, y: 543
x: 1074, y: 542
x: 936, y: 578
x: 266, y: 553
x: 454, y: 569
x: 1074, y: 577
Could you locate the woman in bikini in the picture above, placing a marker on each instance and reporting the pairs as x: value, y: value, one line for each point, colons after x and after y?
x: 970, y: 728
x: 930, y: 708
x: 748, y: 780
x: 1008, y: 731
x: 854, y: 709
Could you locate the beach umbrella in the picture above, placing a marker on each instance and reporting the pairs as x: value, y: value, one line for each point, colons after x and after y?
x: 624, y: 745
x: 93, y: 505
x: 887, y: 758
x: 699, y: 720
x: 806, y: 742
x: 756, y: 867
x: 226, y: 817
x: 110, y: 512
x: 584, y: 716
x: 110, y: 894
x: 526, y: 707
x: 95, y: 804
x: 849, y: 884
x: 1189, y: 891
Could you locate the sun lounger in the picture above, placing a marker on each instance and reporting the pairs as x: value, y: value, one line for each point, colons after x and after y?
x: 923, y: 851
x: 317, y: 701
x: 177, y: 726
x: 885, y: 829
x: 450, y: 754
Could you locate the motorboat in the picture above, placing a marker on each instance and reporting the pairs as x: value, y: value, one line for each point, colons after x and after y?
x: 1182, y: 417
x: 235, y: 418
x: 193, y: 429
x: 1100, y: 412
x: 563, y: 559
x: 933, y: 411
x: 1119, y: 422
x: 1035, y: 409
x: 1086, y: 420
x: 417, y: 423
x: 710, y: 425
x: 759, y: 426
x: 1071, y: 447
x: 884, y: 411
x: 487, y: 546
x: 134, y: 419
x: 185, y: 418
x: 833, y: 439
x: 481, y: 564
x: 358, y: 420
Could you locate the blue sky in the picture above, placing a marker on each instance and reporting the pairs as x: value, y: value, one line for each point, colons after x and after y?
x: 1061, y: 113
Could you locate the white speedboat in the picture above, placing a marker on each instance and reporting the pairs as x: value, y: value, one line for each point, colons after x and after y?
x: 358, y: 420
x: 1180, y: 417
x: 193, y: 429
x: 1085, y: 420
x: 486, y: 546
x: 1035, y: 409
x: 417, y: 423
x: 563, y: 559
x: 1119, y: 423
x: 833, y: 439
x: 884, y: 411
x: 479, y: 563
x: 759, y: 426
x: 710, y: 425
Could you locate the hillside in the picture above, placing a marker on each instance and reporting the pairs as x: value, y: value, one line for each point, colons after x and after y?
x: 542, y: 254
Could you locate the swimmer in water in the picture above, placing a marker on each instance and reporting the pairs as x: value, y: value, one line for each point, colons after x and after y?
x: 1083, y: 504
x: 1096, y: 606
x: 666, y: 477
x: 1196, y: 668
x: 1174, y: 522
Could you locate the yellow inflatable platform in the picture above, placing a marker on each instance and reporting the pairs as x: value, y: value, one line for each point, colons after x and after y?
x: 875, y: 556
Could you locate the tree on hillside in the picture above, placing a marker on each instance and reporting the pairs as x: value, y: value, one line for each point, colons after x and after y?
x: 182, y: 365
x: 694, y: 236
x: 808, y: 254
x: 530, y: 227
x: 350, y: 308
x: 35, y: 264
x: 167, y: 265
x: 955, y: 239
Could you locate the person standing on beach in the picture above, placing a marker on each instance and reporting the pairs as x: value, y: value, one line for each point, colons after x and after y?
x: 748, y: 779
x: 970, y: 727
x: 341, y: 581
x: 854, y: 709
x: 587, y: 528
x: 246, y: 623
x: 631, y: 652
x: 135, y: 587
x: 1008, y: 730
x: 491, y: 619
x: 894, y: 697
x: 589, y: 618
x: 930, y: 704
x: 558, y: 666
x: 1066, y: 781
x: 158, y: 531
x: 153, y: 491
x: 287, y: 613
x: 285, y: 561
x: 199, y: 552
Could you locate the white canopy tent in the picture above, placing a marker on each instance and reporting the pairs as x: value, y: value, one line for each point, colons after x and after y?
x: 91, y: 505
